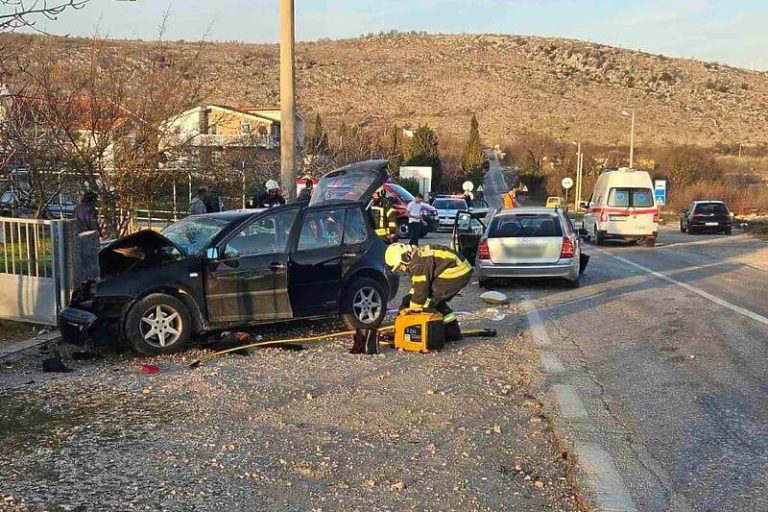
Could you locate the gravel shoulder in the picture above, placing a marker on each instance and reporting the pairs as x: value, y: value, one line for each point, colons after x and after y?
x: 318, y: 429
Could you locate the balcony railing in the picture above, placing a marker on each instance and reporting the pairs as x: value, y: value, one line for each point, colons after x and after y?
x: 236, y: 140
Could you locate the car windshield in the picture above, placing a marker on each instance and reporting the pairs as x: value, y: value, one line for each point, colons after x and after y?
x: 630, y: 197
x: 525, y: 226
x: 401, y: 192
x: 450, y: 204
x: 707, y: 208
x: 193, y: 234
x: 478, y: 203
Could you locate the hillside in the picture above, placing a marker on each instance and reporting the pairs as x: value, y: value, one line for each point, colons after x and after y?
x: 564, y: 88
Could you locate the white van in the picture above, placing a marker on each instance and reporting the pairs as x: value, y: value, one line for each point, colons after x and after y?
x: 623, y: 207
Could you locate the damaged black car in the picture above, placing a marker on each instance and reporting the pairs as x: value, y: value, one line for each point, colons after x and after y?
x: 237, y: 269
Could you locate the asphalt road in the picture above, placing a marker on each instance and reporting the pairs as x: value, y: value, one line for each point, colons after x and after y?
x: 660, y: 361
x: 658, y: 370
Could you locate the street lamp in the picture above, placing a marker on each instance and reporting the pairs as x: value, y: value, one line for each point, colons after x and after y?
x: 631, y: 114
x: 579, y: 174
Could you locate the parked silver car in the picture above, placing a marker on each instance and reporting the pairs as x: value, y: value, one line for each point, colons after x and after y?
x: 522, y: 242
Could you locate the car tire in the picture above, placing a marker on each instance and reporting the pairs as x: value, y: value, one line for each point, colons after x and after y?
x: 691, y: 231
x: 364, y: 304
x: 682, y: 228
x: 403, y: 230
x: 174, y: 330
x: 650, y: 242
x: 485, y: 282
x: 728, y: 231
x: 599, y: 238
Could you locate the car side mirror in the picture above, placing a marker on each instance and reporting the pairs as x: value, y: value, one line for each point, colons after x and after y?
x: 583, y: 205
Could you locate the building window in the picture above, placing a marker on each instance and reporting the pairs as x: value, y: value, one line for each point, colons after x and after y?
x: 213, y: 129
x: 245, y: 128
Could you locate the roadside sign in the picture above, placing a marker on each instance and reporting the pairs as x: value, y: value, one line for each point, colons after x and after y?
x: 660, y: 192
x: 468, y: 186
x: 567, y: 183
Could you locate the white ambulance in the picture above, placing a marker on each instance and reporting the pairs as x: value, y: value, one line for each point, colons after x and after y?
x: 622, y: 207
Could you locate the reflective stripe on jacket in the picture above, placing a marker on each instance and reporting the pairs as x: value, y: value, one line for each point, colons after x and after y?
x: 432, y: 262
x: 384, y: 221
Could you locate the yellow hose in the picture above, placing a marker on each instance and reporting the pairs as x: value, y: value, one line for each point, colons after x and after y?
x: 308, y: 339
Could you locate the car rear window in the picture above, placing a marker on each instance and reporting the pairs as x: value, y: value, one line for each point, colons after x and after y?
x: 525, y: 226
x: 450, y: 204
x: 711, y: 208
x: 628, y: 196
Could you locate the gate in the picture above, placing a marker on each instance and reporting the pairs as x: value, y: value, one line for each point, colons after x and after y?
x: 34, y: 257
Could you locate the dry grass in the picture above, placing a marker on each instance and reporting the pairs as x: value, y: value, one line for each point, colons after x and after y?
x: 742, y: 200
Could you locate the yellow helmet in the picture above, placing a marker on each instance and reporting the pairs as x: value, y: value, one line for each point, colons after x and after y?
x: 394, y: 255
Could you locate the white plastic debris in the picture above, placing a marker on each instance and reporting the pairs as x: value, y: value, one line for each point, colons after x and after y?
x: 494, y: 298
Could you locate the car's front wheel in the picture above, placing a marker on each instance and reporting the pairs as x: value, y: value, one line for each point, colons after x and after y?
x: 683, y: 229
x: 158, y: 324
x: 364, y: 304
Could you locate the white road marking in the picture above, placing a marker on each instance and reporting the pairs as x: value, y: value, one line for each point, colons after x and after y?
x: 717, y: 300
x: 551, y: 363
x: 568, y: 401
x: 608, y: 487
x: 539, y: 333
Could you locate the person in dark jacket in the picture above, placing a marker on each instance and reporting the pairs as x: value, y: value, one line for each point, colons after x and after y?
x: 86, y: 215
x: 437, y: 275
x: 273, y: 197
x: 306, y: 192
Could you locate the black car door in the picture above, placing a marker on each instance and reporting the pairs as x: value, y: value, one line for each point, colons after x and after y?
x: 248, y: 282
x: 317, y: 262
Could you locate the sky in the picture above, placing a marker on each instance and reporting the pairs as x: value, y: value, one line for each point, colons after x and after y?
x: 734, y: 32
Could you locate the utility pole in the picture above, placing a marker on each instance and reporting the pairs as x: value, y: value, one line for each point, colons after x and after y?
x: 287, y: 100
x: 631, y: 138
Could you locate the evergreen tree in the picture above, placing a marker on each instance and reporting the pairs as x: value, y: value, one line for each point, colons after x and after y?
x: 318, y: 140
x: 423, y: 151
x: 394, y: 147
x: 473, y: 161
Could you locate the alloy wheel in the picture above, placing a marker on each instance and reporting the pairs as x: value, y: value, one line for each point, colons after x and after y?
x: 367, y: 305
x: 161, y: 326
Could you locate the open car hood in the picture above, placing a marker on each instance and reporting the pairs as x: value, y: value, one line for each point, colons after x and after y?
x: 354, y: 182
x: 138, y: 250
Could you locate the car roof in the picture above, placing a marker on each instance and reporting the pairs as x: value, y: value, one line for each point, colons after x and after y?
x: 527, y: 210
x: 708, y: 201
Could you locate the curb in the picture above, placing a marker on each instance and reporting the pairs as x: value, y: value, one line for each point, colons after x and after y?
x: 14, y: 350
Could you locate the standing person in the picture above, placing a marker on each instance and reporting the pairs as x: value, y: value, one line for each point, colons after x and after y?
x: 415, y: 221
x: 198, y: 205
x: 86, y: 215
x: 306, y: 193
x: 509, y: 199
x: 384, y: 221
x: 437, y: 275
x: 273, y: 197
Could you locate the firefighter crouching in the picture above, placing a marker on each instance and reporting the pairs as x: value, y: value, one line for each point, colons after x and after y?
x: 437, y: 274
x: 384, y: 219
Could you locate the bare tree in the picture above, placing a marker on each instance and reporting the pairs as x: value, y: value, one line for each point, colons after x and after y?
x: 16, y: 14
x: 104, y: 118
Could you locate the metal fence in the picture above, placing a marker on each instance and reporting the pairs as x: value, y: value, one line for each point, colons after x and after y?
x: 34, y: 283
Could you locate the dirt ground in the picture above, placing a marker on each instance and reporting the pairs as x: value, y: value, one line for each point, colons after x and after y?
x: 318, y: 429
